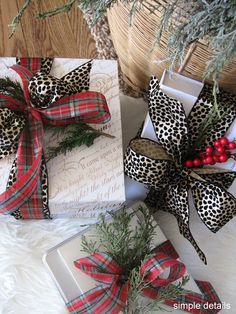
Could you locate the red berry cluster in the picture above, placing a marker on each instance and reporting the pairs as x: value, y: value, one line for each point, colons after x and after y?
x: 219, y: 152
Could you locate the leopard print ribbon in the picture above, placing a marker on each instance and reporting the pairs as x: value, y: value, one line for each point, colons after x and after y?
x: 159, y: 165
x: 44, y: 89
x: 11, y: 125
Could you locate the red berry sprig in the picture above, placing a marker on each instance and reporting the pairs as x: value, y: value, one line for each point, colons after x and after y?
x: 219, y: 152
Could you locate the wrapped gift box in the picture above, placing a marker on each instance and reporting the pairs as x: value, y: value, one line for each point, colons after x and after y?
x: 72, y: 282
x: 185, y: 90
x: 88, y: 180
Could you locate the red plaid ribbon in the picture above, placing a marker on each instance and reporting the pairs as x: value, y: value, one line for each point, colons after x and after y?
x: 87, y: 107
x: 112, y: 293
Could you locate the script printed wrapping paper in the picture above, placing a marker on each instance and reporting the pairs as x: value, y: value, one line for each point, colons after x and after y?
x: 88, y: 180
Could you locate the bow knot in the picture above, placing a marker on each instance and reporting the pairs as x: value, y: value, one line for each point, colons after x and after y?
x: 113, y: 291
x: 111, y: 295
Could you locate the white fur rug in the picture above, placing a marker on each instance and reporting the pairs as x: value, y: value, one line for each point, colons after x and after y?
x: 26, y: 287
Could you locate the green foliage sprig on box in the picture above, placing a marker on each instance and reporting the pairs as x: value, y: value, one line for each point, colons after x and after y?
x: 130, y: 248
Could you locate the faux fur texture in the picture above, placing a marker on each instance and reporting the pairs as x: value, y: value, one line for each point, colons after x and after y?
x: 25, y: 284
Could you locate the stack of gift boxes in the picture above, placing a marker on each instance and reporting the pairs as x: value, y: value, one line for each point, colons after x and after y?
x: 89, y: 181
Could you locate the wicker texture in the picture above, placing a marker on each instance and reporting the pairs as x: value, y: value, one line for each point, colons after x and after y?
x: 106, y: 50
x: 135, y: 46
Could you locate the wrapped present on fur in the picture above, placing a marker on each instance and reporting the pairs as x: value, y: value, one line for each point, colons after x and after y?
x: 186, y: 154
x: 59, y: 96
x: 130, y: 268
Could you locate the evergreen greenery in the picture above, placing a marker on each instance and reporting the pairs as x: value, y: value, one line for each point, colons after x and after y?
x: 12, y: 89
x: 74, y: 135
x: 129, y: 248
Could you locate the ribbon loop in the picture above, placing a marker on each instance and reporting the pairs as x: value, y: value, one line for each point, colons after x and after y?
x: 216, y: 207
x: 169, y: 122
x: 147, y: 162
x: 46, y: 89
x: 156, y: 265
x: 101, y: 267
x: 203, y: 107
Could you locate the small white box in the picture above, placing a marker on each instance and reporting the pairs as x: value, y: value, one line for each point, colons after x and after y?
x: 87, y: 180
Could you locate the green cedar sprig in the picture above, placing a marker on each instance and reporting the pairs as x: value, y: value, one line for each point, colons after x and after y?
x: 137, y: 305
x: 74, y: 135
x: 12, y: 88
x: 129, y: 248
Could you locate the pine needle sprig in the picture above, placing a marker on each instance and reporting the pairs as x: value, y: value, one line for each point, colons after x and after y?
x: 75, y: 135
x: 128, y: 247
x: 60, y: 9
x: 89, y: 246
x: 17, y: 19
x: 138, y: 305
x: 12, y: 88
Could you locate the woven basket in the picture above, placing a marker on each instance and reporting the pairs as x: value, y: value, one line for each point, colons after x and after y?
x: 134, y: 44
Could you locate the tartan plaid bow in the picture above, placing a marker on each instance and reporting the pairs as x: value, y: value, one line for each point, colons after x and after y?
x: 87, y: 107
x: 112, y: 293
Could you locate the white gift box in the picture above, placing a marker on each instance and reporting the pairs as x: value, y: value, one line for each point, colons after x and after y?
x: 71, y: 281
x: 185, y: 90
x: 87, y: 180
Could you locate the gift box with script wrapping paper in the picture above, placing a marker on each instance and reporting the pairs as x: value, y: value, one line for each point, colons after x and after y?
x: 86, y: 180
x: 184, y: 127
x: 94, y: 284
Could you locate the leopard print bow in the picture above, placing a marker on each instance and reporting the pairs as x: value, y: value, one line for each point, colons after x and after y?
x: 160, y: 165
x: 45, y: 89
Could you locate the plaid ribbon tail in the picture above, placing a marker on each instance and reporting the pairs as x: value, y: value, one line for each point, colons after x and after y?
x: 31, y: 142
x: 28, y: 170
x: 102, y: 299
x: 205, y: 301
x: 110, y: 296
